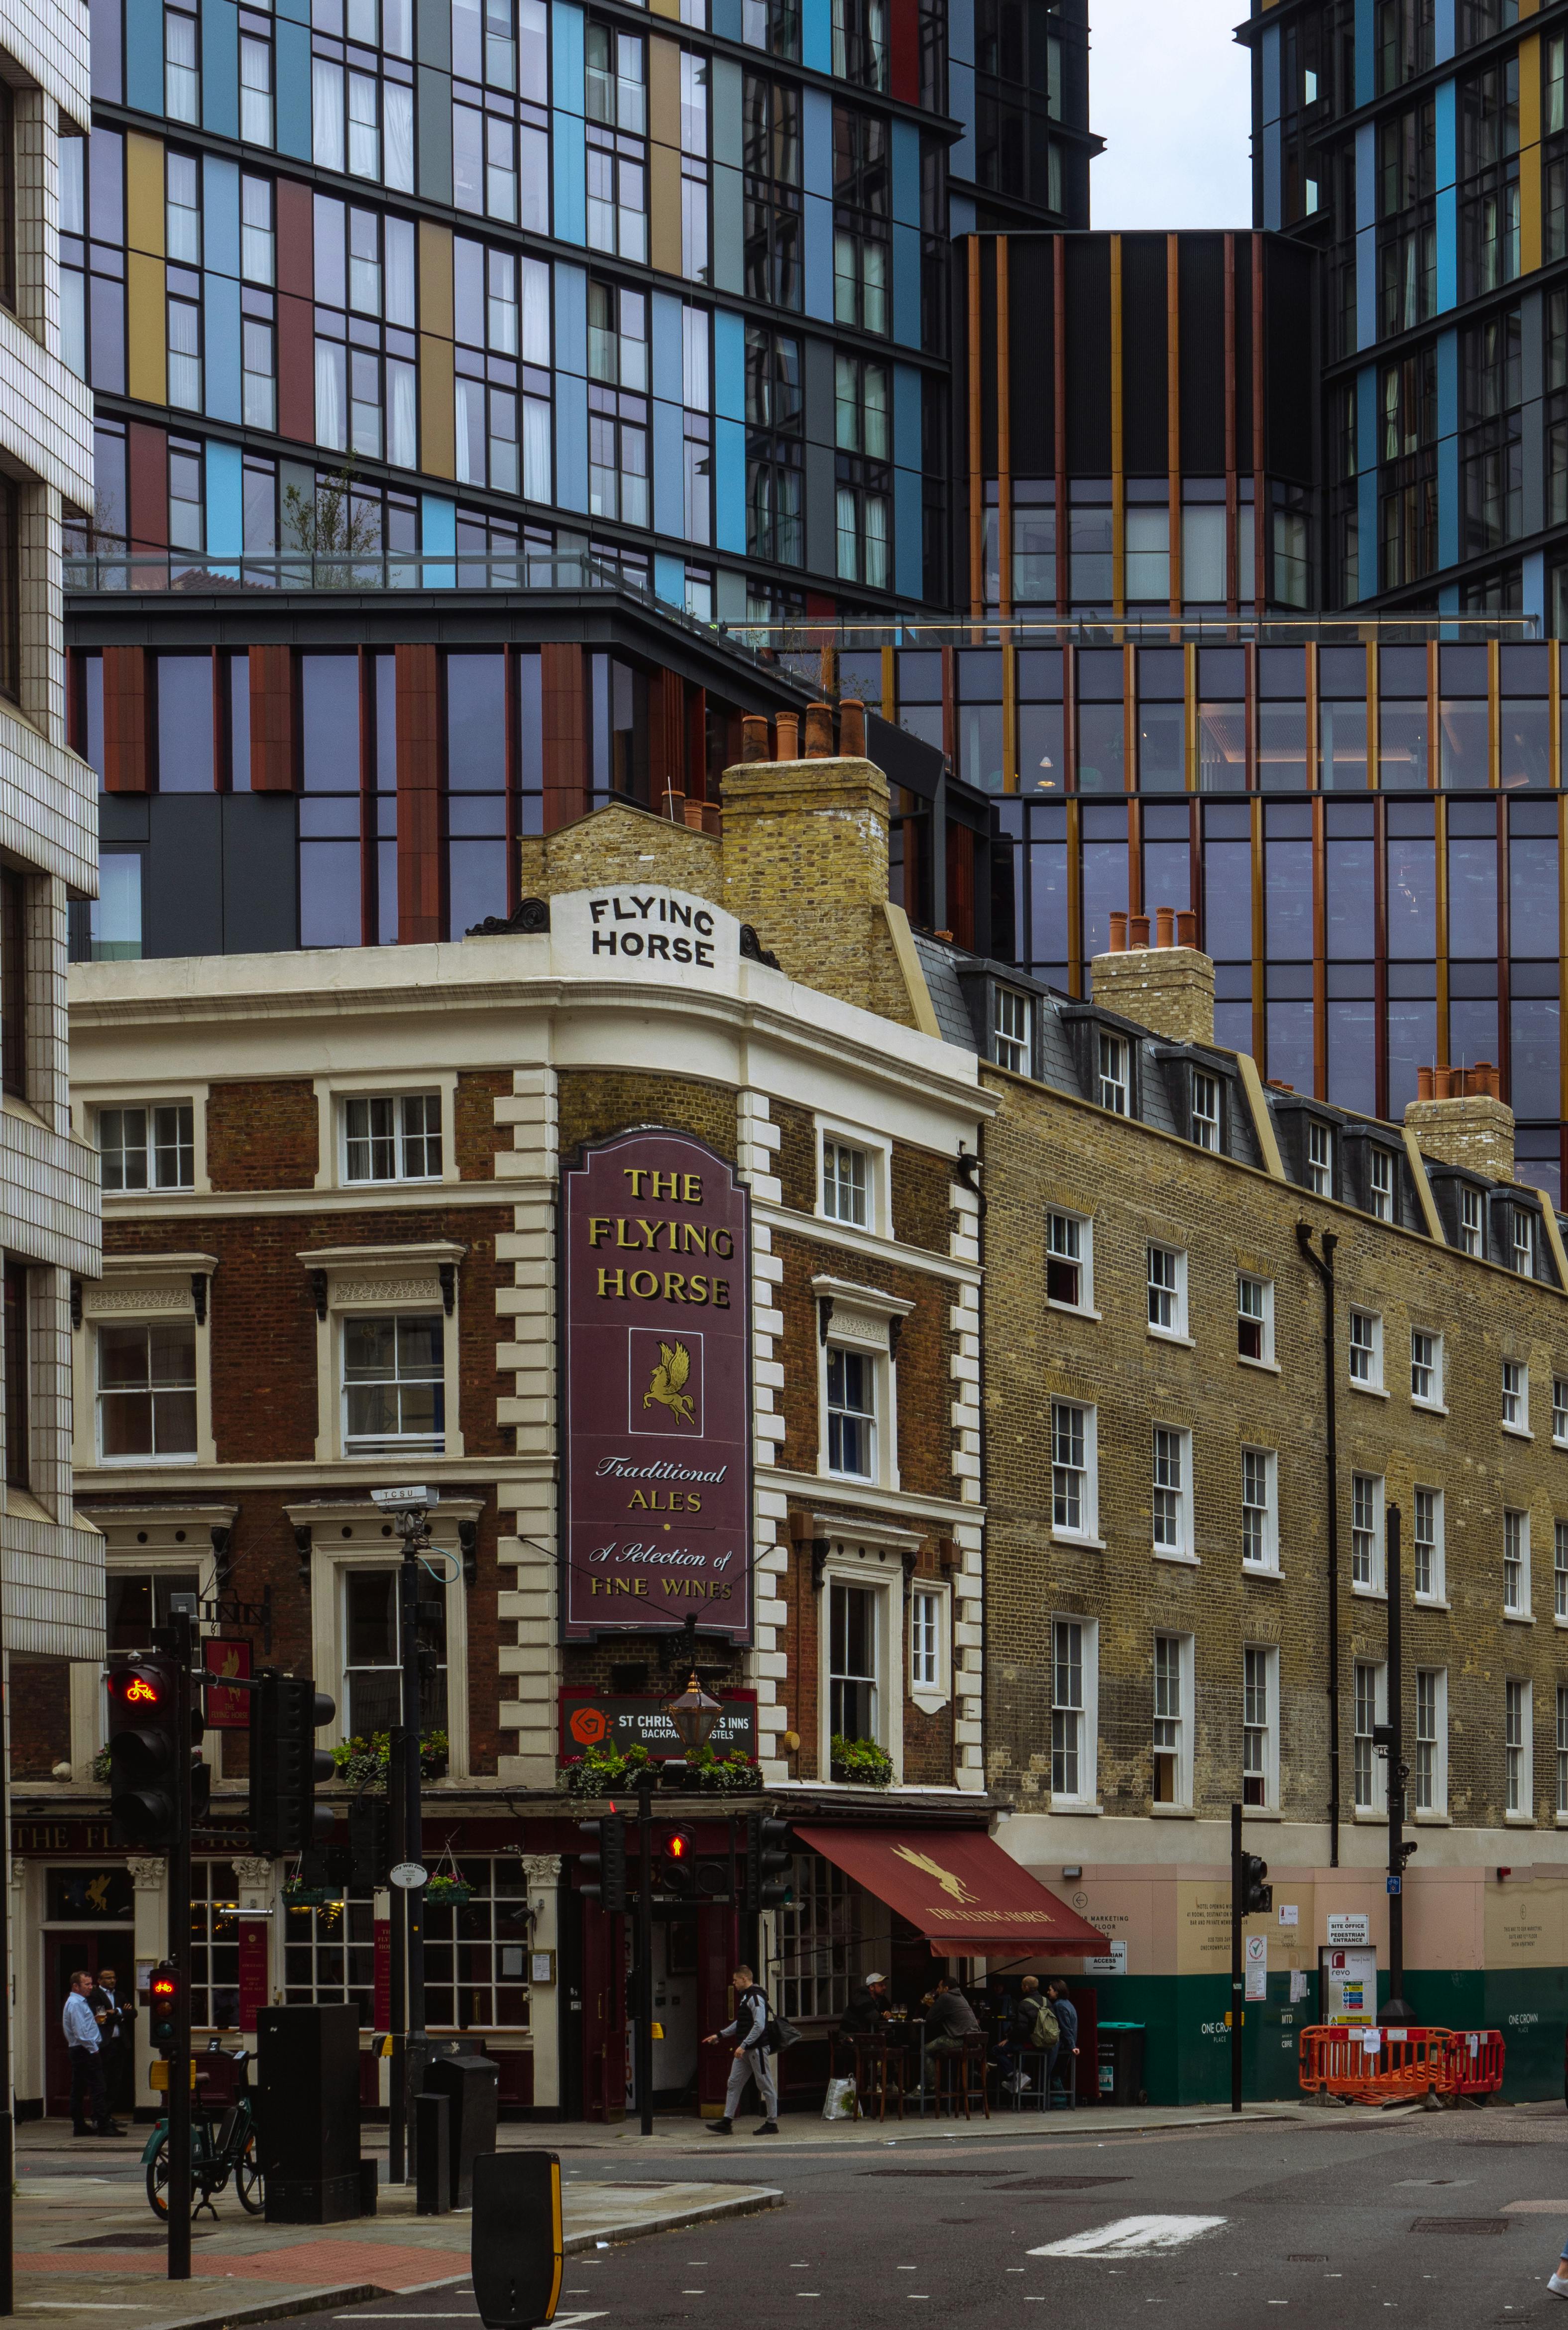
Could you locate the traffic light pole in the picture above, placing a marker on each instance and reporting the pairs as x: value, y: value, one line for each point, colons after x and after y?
x: 1395, y: 2013
x: 645, y: 1989
x: 396, y: 2102
x: 179, y: 1870
x: 1238, y: 1984
x: 413, y: 1809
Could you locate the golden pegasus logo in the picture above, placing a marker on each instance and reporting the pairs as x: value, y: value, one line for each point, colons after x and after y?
x: 952, y: 1884
x: 668, y: 1383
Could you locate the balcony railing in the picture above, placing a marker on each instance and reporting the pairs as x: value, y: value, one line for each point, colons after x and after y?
x: 368, y: 570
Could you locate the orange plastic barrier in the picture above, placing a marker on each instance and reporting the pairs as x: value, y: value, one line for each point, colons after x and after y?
x: 1406, y: 2063
x: 1473, y: 2063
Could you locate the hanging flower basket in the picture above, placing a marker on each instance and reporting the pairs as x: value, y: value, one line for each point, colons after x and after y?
x: 860, y: 1761
x: 447, y: 1893
x: 311, y: 1897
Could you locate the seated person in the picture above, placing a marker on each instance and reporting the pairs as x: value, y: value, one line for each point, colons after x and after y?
x: 867, y: 2011
x: 949, y: 2020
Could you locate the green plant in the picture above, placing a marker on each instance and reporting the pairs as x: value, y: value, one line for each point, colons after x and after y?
x: 100, y: 1768
x: 723, y: 1774
x: 331, y: 523
x: 448, y: 1892
x: 602, y: 1769
x: 860, y: 1760
x: 363, y: 1763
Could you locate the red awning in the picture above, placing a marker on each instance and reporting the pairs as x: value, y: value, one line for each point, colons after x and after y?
x: 959, y: 1889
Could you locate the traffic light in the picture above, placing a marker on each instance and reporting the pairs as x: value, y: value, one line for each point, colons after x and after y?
x: 604, y: 1871
x: 369, y: 1842
x: 765, y: 1882
x: 165, y: 1992
x: 143, y: 1751
x: 286, y: 1765
x: 690, y: 1877
x: 1256, y: 1896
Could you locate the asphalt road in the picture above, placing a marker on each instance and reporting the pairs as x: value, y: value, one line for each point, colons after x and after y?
x: 1438, y: 2217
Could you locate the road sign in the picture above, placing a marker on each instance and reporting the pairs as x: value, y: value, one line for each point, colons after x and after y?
x: 1395, y: 1884
x: 408, y: 1874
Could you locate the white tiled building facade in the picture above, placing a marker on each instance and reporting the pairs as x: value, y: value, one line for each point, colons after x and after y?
x: 52, y: 1569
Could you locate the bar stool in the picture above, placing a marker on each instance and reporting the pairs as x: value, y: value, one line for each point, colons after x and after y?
x: 875, y: 2058
x: 961, y: 2076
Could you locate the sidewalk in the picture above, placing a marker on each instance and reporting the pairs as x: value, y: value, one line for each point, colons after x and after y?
x: 799, y: 2130
x: 87, y: 2246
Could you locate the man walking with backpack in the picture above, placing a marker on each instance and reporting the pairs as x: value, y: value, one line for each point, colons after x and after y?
x: 749, y: 2033
x: 1034, y: 2026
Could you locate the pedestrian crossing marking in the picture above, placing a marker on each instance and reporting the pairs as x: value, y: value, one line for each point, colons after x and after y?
x: 1132, y: 2236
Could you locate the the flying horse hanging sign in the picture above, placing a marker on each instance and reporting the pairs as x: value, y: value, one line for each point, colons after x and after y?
x: 657, y: 1373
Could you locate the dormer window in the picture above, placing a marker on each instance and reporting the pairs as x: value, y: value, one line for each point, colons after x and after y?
x: 1380, y: 1184
x: 1206, y: 1116
x: 1010, y: 1029
x: 1524, y: 1242
x: 1113, y: 1075
x: 1320, y: 1159
x: 1470, y: 1236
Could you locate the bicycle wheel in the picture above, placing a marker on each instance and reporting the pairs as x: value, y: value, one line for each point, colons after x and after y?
x: 158, y: 2182
x: 247, y: 2178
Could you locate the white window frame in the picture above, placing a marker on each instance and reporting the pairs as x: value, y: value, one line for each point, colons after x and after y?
x: 1369, y: 1697
x: 399, y: 1099
x: 1171, y: 1506
x: 397, y: 1279
x: 1088, y: 1795
x: 1166, y: 1293
x: 1523, y: 1257
x: 1435, y: 1594
x: 1432, y: 1397
x: 1184, y: 1719
x: 1365, y: 1354
x: 137, y: 1290
x: 333, y: 1553
x: 877, y: 1150
x: 1438, y: 1808
x: 1380, y: 1162
x: 1085, y: 1224
x: 1265, y: 1355
x: 931, y: 1697
x: 1269, y: 1654
x: 1087, y: 1530
x: 1113, y: 1089
x: 872, y: 1559
x: 1514, y: 1400
x: 1319, y: 1158
x: 1518, y: 1750
x: 1472, y: 1222
x: 1261, y: 1462
x: 860, y: 1324
x: 1516, y: 1594
x: 1560, y: 1411
x: 332, y: 1134
x: 1563, y: 1754
x: 1012, y: 1003
x: 1560, y: 1572
x: 89, y: 1101
x: 147, y: 1108
x: 1204, y: 1129
x: 1374, y: 1482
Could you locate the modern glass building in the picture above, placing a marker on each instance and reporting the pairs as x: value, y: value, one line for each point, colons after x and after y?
x: 465, y: 286
x: 1421, y: 148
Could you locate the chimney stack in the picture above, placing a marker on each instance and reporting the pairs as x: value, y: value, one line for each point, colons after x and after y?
x: 1168, y: 988
x: 1460, y: 1115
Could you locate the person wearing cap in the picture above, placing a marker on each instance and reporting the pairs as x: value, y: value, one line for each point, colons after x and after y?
x: 867, y: 2012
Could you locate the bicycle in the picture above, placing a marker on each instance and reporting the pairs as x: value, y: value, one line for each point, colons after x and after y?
x: 222, y: 2144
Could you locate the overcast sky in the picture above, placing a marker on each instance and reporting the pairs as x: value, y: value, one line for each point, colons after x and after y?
x: 1170, y: 94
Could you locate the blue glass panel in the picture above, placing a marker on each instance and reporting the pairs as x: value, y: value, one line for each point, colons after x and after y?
x: 184, y: 723
x: 1287, y: 901
x: 1289, y: 1026
x: 1349, y: 899
x: 1472, y: 1030
x: 1047, y: 900
x: 1042, y: 753
x: 1228, y: 901
x: 477, y: 883
x: 1472, y: 896
x: 1537, y: 1078
x: 1353, y: 1055
x: 1411, y: 1045
x: 329, y: 905
x: 1412, y: 900
x: 1533, y: 896
x: 1100, y: 748
x: 329, y: 728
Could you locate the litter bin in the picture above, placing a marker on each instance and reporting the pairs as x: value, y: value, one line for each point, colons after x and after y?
x: 469, y: 2083
x: 1121, y: 2062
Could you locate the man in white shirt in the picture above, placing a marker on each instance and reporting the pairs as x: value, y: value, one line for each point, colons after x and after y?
x: 84, y: 2040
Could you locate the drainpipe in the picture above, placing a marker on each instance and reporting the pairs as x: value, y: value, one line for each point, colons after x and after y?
x: 1324, y: 1265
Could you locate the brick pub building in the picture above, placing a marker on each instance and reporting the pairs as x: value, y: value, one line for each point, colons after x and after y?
x: 336, y: 1190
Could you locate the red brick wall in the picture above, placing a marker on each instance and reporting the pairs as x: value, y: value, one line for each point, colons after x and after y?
x: 263, y: 1136
x: 928, y: 1740
x: 264, y: 1318
x: 475, y: 1133
x: 925, y: 1439
x: 40, y: 1717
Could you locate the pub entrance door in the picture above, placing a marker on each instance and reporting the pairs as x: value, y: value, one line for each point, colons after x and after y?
x: 65, y: 1955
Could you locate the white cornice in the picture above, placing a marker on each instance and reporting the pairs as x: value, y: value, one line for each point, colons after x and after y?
x: 809, y: 1488
x: 865, y: 1243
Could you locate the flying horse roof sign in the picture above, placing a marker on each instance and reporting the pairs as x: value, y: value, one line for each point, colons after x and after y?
x: 655, y: 1364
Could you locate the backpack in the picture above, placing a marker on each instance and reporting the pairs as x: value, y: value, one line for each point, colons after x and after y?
x: 1047, y: 2030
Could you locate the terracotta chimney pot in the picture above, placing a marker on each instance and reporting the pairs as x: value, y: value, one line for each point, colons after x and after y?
x: 1186, y: 930
x: 852, y: 728
x: 754, y: 736
x: 1164, y: 926
x: 789, y: 727
x: 1117, y: 934
x: 1424, y: 1083
x: 1137, y: 930
x: 819, y: 732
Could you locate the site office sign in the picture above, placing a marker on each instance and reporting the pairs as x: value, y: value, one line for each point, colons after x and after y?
x: 655, y: 1369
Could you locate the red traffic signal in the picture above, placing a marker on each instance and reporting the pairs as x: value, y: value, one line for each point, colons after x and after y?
x: 143, y: 1753
x: 165, y: 1994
